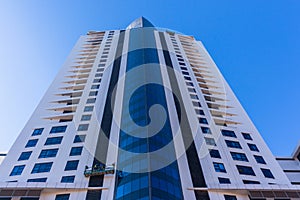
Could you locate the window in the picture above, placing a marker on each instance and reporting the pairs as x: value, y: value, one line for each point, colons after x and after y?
x: 67, y: 179
x: 245, y: 170
x: 239, y: 156
x: 79, y: 138
x: 48, y: 153
x: 98, y: 75
x: 95, y: 86
x: 230, y: 197
x: 194, y: 96
x: 93, y: 93
x: 210, y: 141
x: 93, y: 100
x: 247, y: 136
x: 97, y: 80
x: 71, y: 165
x: 228, y: 133
x: 260, y: 159
x: 250, y: 182
x: 53, y: 140
x: 199, y: 112
x: 83, y: 127
x: 86, y: 117
x: 214, y: 153
x: 197, y: 104
x: 202, y: 121
x: 25, y: 155
x: 219, y: 167
x: 36, y: 180
x: 267, y: 173
x: 205, y: 130
x: 31, y: 143
x: 37, y: 131
x: 253, y: 147
x: 62, y: 197
x: 224, y: 180
x: 233, y: 144
x: 42, y: 167
x: 76, y: 151
x: 58, y: 129
x: 88, y: 108
x: 189, y: 84
x: 17, y: 170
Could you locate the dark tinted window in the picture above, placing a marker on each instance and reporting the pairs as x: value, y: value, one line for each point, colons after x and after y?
x: 233, y: 144
x: 31, y: 143
x: 214, y: 153
x: 25, y: 155
x: 245, y: 170
x: 253, y: 147
x: 247, y: 136
x: 228, y: 133
x: 58, y: 129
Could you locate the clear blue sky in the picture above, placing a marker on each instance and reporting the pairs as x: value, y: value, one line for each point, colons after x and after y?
x: 256, y: 45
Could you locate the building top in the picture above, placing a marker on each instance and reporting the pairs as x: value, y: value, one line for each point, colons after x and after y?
x: 296, y: 153
x: 140, y: 23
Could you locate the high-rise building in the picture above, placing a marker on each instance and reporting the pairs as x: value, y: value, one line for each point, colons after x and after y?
x: 142, y: 113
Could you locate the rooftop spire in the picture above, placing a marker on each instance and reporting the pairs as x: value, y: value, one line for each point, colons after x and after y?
x: 140, y: 23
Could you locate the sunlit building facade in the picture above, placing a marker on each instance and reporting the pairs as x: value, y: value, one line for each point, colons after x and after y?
x: 141, y: 113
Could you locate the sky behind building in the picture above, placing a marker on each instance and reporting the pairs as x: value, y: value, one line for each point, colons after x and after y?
x: 255, y: 44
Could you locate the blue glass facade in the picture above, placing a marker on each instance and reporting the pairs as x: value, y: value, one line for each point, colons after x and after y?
x: 138, y: 178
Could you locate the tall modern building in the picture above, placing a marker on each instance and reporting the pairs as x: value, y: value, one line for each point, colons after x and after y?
x: 142, y: 113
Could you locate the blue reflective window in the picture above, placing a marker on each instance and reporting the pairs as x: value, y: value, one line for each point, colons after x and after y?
x: 76, y: 151
x: 48, y: 153
x: 228, y: 133
x: 88, y: 108
x: 199, y: 112
x: 253, y: 147
x: 233, y: 144
x: 31, y: 143
x: 53, y: 140
x: 71, y: 165
x: 17, y: 170
x: 79, y: 138
x: 37, y: 131
x: 239, y: 156
x: 219, y: 167
x: 25, y: 155
x: 203, y: 120
x: 62, y: 197
x: 245, y: 170
x: 247, y: 136
x: 260, y: 159
x: 36, y: 180
x: 42, y: 167
x: 67, y: 179
x: 267, y: 173
x: 224, y: 180
x: 58, y: 129
x: 86, y: 117
x: 206, y: 130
